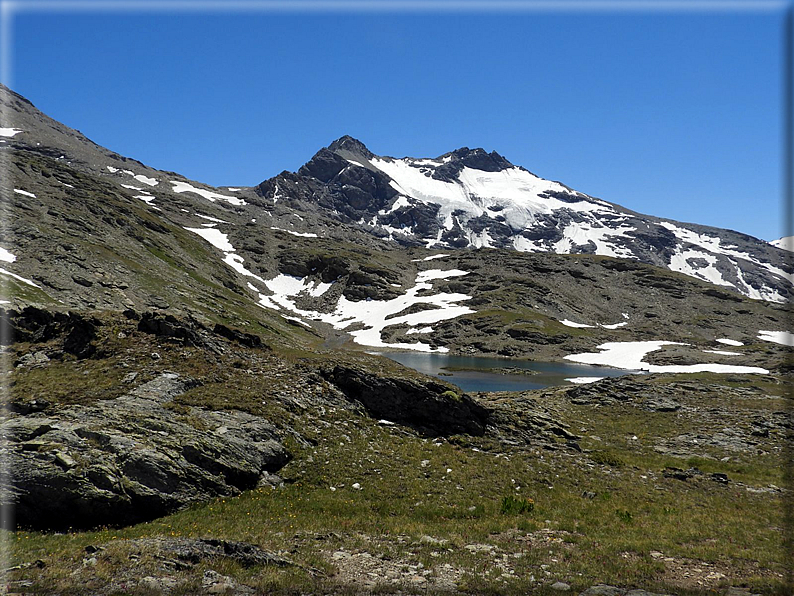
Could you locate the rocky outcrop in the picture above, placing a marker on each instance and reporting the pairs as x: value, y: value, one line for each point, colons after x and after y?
x: 35, y: 325
x: 425, y: 405
x: 132, y: 458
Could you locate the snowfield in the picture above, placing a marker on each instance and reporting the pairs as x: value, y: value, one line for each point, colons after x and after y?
x: 786, y: 243
x: 375, y: 315
x: 514, y: 191
x: 629, y: 355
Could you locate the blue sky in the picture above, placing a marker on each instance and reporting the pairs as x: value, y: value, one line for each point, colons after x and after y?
x: 672, y: 114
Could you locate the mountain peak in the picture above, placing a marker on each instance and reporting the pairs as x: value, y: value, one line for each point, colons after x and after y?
x: 349, y: 146
x: 479, y: 159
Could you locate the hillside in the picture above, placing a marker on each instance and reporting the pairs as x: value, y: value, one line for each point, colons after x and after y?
x: 193, y: 407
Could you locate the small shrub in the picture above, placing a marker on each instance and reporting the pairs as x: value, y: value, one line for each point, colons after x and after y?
x: 511, y: 505
x: 451, y: 395
x: 624, y: 515
x: 606, y: 458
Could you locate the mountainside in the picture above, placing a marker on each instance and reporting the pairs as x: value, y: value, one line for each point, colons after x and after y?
x: 193, y: 405
x: 470, y: 198
x: 92, y: 229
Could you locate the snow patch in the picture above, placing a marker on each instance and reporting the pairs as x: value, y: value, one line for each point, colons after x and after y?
x: 614, y: 325
x: 235, y: 261
x: 301, y: 234
x: 24, y: 192
x: 784, y: 338
x: 723, y: 352
x: 297, y: 320
x: 208, y: 218
x: 680, y: 262
x: 515, y: 191
x: 6, y: 256
x: 148, y: 199
x: 629, y: 355
x: 729, y: 342
x: 180, y: 186
x: 568, y: 323
x: 786, y: 243
x: 583, y: 380
x: 430, y: 258
x: 215, y: 237
x: 375, y: 315
x: 146, y: 180
x: 424, y: 276
x: 10, y: 132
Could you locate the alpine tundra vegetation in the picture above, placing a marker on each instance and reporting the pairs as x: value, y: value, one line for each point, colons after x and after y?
x: 200, y: 398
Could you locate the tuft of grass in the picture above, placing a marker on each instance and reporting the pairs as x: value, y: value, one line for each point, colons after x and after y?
x: 513, y: 506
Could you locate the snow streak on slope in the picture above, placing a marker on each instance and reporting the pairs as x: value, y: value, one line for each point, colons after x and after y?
x: 207, y: 194
x: 784, y: 338
x: 375, y: 315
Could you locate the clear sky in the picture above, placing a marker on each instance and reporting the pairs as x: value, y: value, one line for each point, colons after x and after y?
x: 674, y: 114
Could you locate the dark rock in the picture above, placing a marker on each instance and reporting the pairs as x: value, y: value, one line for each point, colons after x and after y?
x: 36, y: 325
x: 679, y: 474
x: 245, y: 553
x: 241, y: 337
x: 169, y: 326
x: 80, y: 280
x: 424, y: 404
x: 323, y: 166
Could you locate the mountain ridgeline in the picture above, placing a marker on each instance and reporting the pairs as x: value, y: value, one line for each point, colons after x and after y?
x: 469, y: 198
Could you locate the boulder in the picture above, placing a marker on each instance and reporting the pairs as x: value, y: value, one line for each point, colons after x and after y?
x: 131, y: 459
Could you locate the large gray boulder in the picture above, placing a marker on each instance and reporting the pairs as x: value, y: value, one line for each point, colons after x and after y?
x: 131, y: 459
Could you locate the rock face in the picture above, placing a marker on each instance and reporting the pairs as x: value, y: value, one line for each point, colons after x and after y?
x: 132, y: 458
x: 428, y: 406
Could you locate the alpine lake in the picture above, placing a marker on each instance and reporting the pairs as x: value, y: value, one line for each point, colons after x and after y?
x: 482, y: 373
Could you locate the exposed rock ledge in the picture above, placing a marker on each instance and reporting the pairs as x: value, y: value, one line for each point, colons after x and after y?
x: 131, y: 459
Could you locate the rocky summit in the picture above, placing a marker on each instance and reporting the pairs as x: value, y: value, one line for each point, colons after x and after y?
x: 198, y: 400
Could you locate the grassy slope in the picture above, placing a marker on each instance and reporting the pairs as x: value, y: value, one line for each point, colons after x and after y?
x: 700, y: 526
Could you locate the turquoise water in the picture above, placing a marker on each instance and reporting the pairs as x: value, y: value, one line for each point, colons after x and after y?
x: 480, y: 376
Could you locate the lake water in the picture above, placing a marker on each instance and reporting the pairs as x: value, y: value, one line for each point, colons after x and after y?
x: 477, y: 373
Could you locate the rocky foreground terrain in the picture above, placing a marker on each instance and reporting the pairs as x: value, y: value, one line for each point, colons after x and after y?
x: 192, y: 409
